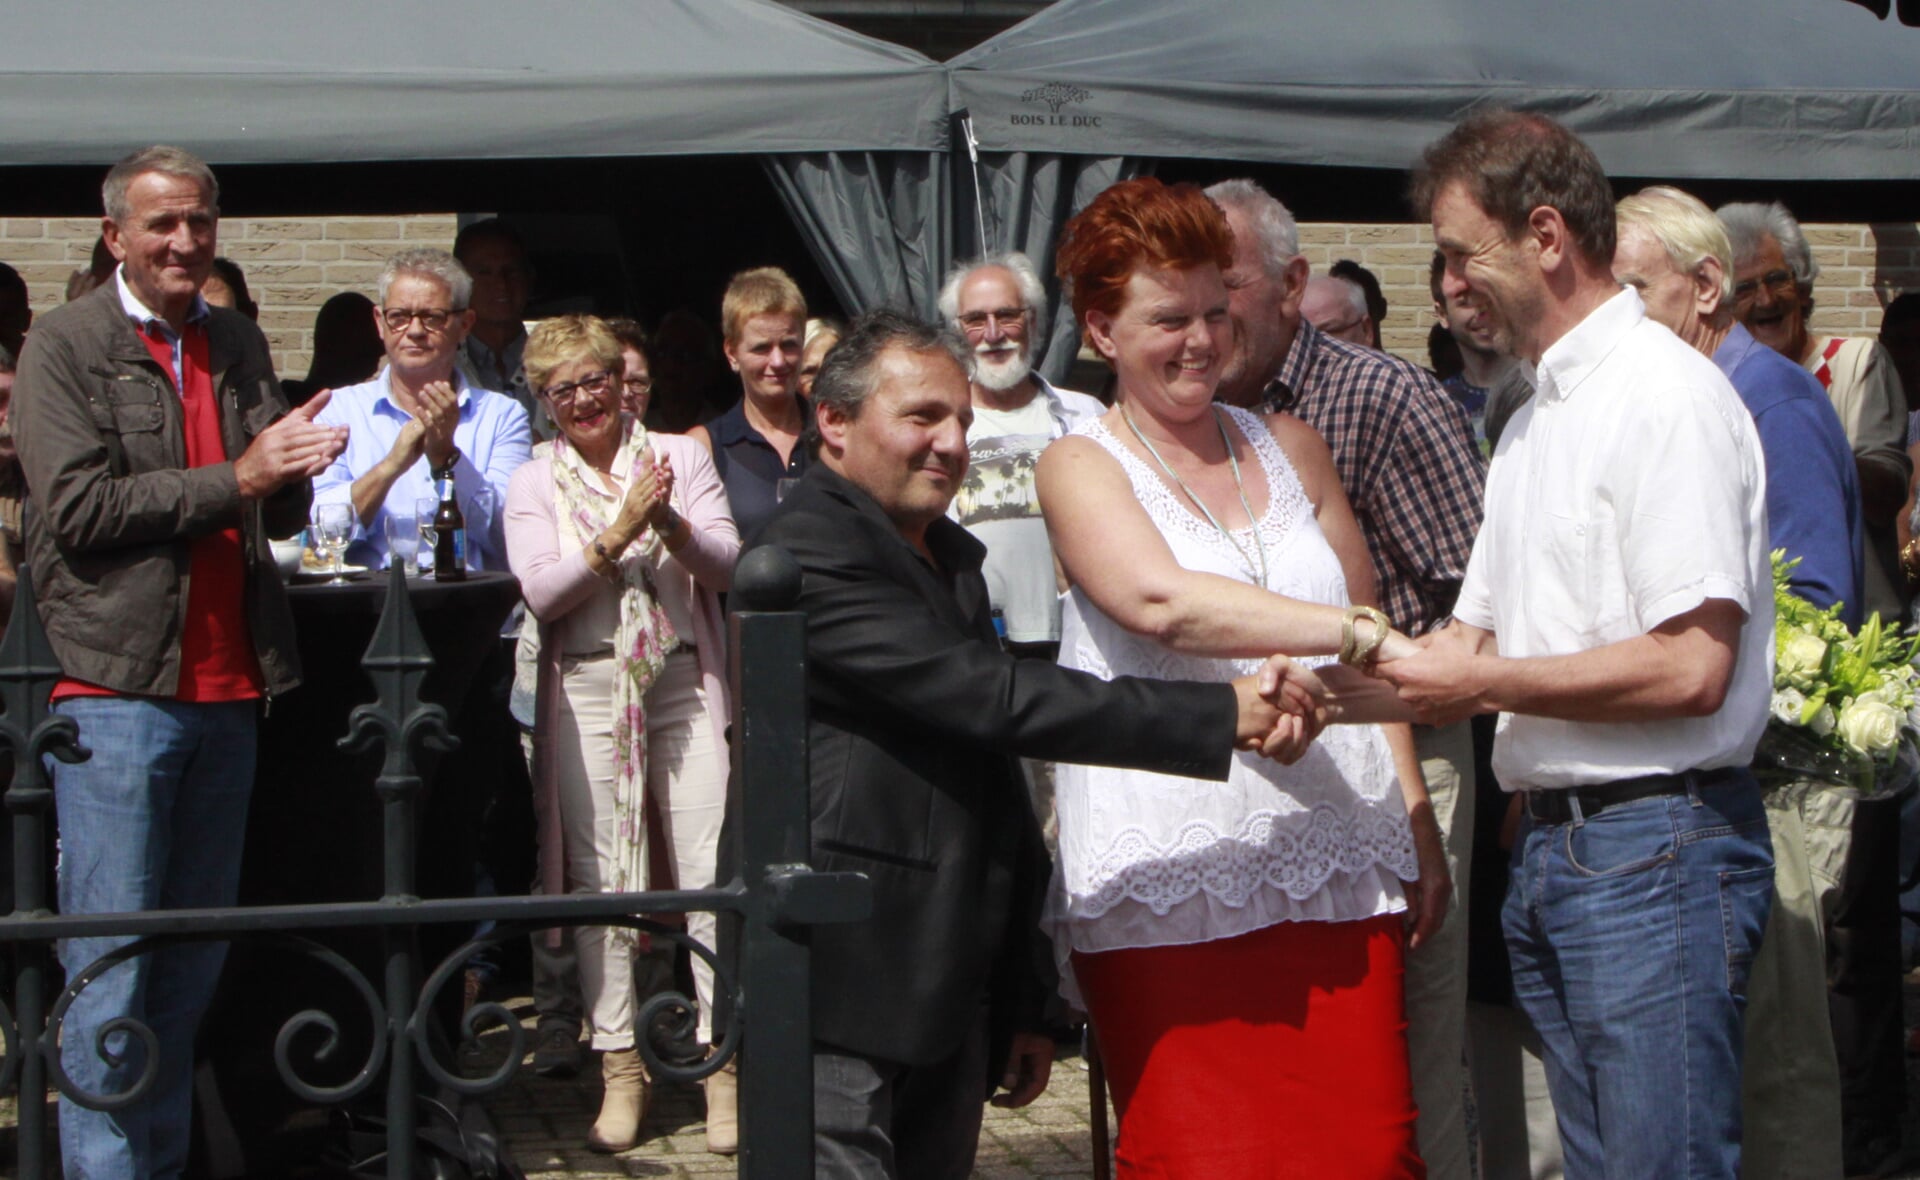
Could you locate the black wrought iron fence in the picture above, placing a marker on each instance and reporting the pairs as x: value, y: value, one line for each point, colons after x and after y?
x: 763, y: 991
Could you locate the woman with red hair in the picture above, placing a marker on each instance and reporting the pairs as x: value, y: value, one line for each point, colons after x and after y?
x: 1238, y: 947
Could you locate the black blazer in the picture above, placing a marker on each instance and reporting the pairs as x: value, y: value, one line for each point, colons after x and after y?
x: 916, y: 718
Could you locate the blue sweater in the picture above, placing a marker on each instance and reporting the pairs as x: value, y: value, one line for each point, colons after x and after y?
x: 1813, y: 492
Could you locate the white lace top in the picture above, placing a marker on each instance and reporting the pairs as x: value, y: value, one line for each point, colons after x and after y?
x: 1155, y: 860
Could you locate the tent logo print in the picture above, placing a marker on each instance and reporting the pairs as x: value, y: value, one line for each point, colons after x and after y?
x: 1056, y: 95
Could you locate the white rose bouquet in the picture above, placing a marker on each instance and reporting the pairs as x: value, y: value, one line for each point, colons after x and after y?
x: 1843, y: 704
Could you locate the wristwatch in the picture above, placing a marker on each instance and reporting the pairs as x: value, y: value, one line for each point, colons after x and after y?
x: 445, y: 469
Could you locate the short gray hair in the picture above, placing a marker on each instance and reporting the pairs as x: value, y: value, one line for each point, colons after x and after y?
x: 851, y: 371
x: 1273, y: 227
x: 1747, y: 221
x: 1685, y: 228
x: 171, y: 161
x: 1033, y: 293
x: 1351, y: 291
x: 427, y: 263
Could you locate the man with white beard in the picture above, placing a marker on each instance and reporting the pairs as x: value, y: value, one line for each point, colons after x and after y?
x: 1017, y: 413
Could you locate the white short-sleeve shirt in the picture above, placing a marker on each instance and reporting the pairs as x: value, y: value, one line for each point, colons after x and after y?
x: 1628, y: 491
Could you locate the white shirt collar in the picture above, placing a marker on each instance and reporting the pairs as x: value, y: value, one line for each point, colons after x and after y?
x: 1569, y: 360
x: 140, y: 312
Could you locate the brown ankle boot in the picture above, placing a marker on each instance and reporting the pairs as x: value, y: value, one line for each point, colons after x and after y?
x: 625, y: 1104
x: 723, y: 1110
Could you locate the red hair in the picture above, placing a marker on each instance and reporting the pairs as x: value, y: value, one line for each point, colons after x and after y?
x: 1137, y: 223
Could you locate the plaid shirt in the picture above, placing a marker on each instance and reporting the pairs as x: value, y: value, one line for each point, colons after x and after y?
x: 1406, y: 457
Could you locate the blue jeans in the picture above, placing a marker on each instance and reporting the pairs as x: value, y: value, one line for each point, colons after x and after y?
x: 1631, y: 934
x: 154, y: 820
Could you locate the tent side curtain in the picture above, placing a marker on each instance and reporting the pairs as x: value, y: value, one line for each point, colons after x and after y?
x: 877, y: 223
x: 1027, y: 198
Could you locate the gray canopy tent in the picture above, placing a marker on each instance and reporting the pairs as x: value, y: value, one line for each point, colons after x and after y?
x: 1089, y: 91
x: 851, y: 130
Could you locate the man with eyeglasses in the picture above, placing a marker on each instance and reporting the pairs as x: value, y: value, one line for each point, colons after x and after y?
x: 1338, y: 307
x: 420, y: 417
x: 995, y: 303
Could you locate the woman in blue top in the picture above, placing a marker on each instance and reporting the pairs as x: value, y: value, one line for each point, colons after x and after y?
x: 756, y: 444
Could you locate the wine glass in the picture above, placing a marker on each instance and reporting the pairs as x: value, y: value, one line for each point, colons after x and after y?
x: 424, y: 510
x: 332, y: 526
x: 403, y: 543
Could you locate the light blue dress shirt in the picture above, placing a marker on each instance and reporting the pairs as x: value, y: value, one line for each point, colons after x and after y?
x: 493, y: 439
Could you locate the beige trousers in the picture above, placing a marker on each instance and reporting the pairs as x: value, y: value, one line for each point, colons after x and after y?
x: 1790, y: 1085
x: 1437, y: 969
x: 685, y: 772
x: 1519, y: 1136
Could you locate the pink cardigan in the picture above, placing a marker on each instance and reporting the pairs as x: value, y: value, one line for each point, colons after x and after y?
x: 554, y: 584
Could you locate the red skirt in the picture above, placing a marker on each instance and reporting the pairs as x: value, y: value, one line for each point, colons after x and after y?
x: 1277, y: 1053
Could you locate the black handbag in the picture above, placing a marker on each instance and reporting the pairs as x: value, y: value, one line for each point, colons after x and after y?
x: 452, y: 1140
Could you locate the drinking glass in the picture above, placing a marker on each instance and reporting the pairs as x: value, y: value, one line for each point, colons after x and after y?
x: 479, y: 524
x: 332, y: 526
x: 423, y: 513
x: 403, y: 543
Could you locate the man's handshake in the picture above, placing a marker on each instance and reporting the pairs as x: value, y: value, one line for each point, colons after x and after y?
x: 1285, y: 705
x: 1283, y: 708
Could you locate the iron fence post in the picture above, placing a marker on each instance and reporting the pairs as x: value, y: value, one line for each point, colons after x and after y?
x: 768, y: 652
x: 28, y: 672
x: 397, y: 661
x: 768, y: 647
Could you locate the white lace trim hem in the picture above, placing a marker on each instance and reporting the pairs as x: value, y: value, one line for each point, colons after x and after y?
x: 1296, y: 854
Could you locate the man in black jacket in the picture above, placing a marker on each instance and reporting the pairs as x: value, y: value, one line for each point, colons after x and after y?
x: 917, y: 717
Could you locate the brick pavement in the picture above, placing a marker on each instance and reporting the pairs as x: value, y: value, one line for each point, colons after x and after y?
x: 545, y: 1122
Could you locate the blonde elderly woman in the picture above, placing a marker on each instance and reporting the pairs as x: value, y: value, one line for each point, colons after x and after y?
x: 622, y: 541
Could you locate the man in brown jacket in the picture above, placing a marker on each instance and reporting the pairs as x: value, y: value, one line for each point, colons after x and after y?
x: 159, y: 457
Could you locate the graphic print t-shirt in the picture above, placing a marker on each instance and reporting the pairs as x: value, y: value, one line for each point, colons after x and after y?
x: 998, y: 503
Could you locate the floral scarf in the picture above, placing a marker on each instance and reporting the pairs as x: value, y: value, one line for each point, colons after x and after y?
x: 641, y: 641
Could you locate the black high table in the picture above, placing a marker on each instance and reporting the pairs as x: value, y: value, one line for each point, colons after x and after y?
x: 314, y: 835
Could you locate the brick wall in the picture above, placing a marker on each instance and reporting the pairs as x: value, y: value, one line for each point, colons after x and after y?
x: 1861, y: 268
x: 293, y: 265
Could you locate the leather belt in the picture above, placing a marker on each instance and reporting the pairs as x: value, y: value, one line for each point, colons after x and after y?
x: 1554, y: 805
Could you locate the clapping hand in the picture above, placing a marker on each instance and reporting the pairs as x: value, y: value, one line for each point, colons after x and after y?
x: 293, y: 448
x: 656, y: 486
x: 648, y: 496
x: 438, y: 415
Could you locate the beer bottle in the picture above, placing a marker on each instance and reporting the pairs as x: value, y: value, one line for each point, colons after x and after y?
x: 449, y: 533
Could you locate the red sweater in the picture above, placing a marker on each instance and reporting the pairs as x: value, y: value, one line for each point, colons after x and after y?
x: 217, y: 662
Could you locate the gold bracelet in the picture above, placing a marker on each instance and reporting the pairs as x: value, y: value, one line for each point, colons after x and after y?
x: 1354, y: 651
